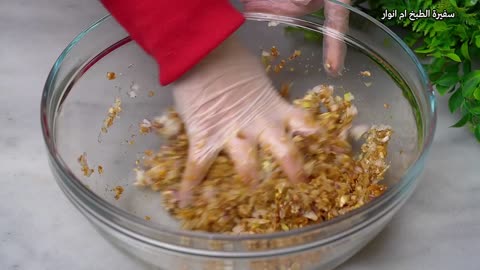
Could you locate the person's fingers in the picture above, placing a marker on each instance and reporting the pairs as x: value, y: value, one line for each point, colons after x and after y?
x: 301, y: 2
x: 243, y: 153
x: 302, y: 123
x: 283, y: 7
x: 334, y: 47
x: 284, y: 151
x: 199, y: 160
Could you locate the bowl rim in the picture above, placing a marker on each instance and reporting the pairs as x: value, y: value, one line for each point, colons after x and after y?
x: 122, y: 218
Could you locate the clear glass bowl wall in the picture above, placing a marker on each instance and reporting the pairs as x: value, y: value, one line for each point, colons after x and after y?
x: 77, y: 96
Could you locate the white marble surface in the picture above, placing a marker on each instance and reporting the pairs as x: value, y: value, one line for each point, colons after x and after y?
x: 439, y: 228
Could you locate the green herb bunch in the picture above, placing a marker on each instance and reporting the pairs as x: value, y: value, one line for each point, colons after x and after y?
x: 453, y: 44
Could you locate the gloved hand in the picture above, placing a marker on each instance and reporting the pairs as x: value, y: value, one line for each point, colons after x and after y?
x: 228, y: 102
x: 336, y: 18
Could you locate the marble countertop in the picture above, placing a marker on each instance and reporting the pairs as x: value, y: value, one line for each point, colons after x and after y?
x: 438, y: 228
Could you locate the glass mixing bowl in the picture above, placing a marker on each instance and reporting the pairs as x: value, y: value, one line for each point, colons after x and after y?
x: 77, y: 96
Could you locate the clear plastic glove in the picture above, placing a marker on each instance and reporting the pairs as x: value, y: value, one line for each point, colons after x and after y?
x: 228, y: 102
x: 336, y: 19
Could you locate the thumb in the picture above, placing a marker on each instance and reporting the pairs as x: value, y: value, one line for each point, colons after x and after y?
x: 334, y: 47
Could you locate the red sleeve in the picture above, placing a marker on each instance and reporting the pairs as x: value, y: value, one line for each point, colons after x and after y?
x: 178, y: 34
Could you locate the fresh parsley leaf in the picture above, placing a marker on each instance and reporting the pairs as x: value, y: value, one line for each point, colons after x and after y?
x: 460, y: 30
x: 462, y: 122
x: 448, y: 80
x: 454, y: 57
x: 424, y: 50
x: 441, y: 89
x: 453, y: 3
x: 435, y: 76
x: 440, y: 26
x: 477, y: 41
x: 476, y: 94
x: 437, y: 65
x: 470, y: 3
x: 467, y: 67
x: 455, y: 101
x: 452, y: 68
x: 473, y: 108
x: 471, y: 83
x: 464, y: 50
x: 477, y: 132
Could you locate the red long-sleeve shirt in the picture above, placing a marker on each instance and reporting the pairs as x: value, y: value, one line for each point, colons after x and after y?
x: 178, y: 34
